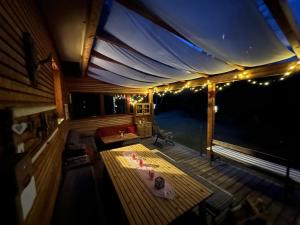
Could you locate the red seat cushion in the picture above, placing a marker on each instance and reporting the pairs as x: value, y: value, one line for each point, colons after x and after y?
x: 112, y: 130
x: 131, y: 129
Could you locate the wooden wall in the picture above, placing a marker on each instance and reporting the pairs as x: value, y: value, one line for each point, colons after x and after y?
x: 89, y: 126
x: 16, y: 17
x: 47, y: 173
x: 88, y: 84
x: 15, y: 88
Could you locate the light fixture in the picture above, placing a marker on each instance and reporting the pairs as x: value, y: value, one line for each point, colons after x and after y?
x: 216, y: 108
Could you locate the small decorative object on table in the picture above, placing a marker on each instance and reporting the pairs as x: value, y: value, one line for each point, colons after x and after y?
x: 159, y: 183
x: 121, y: 132
x: 133, y: 155
x: 141, y: 162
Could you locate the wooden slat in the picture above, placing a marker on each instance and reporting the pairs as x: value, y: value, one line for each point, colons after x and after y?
x: 88, y: 84
x: 189, y: 192
x: 47, y: 171
x: 90, y: 125
x: 18, y: 17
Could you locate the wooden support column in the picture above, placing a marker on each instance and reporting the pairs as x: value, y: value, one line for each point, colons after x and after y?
x: 210, y: 117
x: 127, y: 104
x: 150, y: 100
x: 58, y: 92
x: 102, y: 106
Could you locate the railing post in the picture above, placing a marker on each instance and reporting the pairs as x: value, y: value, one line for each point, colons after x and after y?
x: 210, y: 117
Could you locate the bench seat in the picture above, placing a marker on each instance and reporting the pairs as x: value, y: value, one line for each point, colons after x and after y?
x: 253, y: 161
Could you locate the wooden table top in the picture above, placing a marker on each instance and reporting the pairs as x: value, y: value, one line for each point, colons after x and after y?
x: 118, y: 137
x: 140, y: 205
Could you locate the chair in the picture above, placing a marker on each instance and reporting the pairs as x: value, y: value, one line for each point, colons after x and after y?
x: 161, y: 134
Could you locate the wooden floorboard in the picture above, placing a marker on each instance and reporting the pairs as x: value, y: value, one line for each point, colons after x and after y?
x: 282, y: 205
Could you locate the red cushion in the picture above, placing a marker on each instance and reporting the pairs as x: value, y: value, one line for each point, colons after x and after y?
x: 131, y: 129
x: 107, y: 131
x: 112, y: 130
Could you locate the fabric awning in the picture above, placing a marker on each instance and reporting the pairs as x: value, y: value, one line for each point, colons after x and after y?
x: 116, y: 79
x: 231, y: 30
x: 140, y: 62
x: 158, y: 43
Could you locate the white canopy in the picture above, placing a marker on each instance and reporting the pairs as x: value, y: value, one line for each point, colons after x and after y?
x: 159, y: 44
x: 140, y: 62
x: 218, y: 35
x: 113, y: 78
x: 229, y: 29
x: 128, y: 72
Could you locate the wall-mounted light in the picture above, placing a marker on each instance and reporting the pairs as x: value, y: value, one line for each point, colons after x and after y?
x: 32, y: 62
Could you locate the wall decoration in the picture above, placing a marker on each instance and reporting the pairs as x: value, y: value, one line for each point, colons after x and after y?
x: 32, y: 62
x: 19, y: 128
x: 21, y: 148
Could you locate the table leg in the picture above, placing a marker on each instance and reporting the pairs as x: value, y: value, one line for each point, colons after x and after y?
x: 202, y: 213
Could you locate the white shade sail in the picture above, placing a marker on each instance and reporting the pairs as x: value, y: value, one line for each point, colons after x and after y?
x: 116, y: 79
x: 140, y: 62
x: 229, y: 29
x: 128, y: 72
x: 158, y: 43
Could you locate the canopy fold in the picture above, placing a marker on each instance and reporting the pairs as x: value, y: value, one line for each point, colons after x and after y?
x: 234, y: 31
x: 159, y: 44
x: 116, y: 79
x: 140, y: 62
x: 128, y: 72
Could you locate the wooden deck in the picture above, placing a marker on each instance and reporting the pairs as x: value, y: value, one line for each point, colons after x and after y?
x: 281, y: 203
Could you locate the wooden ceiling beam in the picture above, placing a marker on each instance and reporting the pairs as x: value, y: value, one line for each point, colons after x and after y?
x: 286, y: 21
x: 253, y: 73
x: 91, y: 28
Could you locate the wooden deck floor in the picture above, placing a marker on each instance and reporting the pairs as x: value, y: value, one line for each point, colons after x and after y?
x: 282, y: 204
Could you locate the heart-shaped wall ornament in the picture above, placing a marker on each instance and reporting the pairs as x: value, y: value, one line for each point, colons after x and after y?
x: 19, y: 128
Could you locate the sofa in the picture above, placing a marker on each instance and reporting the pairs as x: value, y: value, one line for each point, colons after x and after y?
x: 79, y: 149
x: 113, y: 130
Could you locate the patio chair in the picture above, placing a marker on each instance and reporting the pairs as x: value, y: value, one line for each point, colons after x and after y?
x: 161, y: 134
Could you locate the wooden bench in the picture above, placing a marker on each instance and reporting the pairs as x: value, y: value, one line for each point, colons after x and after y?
x: 218, y: 204
x: 242, y: 155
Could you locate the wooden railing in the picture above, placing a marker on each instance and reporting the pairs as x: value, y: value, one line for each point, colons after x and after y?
x: 260, y: 159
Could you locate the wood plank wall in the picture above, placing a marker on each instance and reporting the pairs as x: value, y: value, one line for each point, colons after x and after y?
x: 47, y: 173
x: 89, y: 126
x: 88, y: 84
x: 16, y: 17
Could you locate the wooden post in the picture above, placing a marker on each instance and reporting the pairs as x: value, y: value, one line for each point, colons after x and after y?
x: 210, y: 117
x: 102, y: 106
x: 58, y: 92
x: 150, y: 99
x: 127, y: 104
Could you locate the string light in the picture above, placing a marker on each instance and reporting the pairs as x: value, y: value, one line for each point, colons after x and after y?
x: 220, y: 87
x: 137, y: 99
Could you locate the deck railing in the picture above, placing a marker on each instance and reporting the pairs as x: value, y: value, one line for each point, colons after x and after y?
x: 260, y: 159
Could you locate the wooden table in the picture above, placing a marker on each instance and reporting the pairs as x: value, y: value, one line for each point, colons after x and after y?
x: 139, y: 204
x: 118, y: 138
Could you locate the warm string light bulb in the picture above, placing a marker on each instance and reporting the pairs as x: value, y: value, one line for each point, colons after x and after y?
x: 243, y: 76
